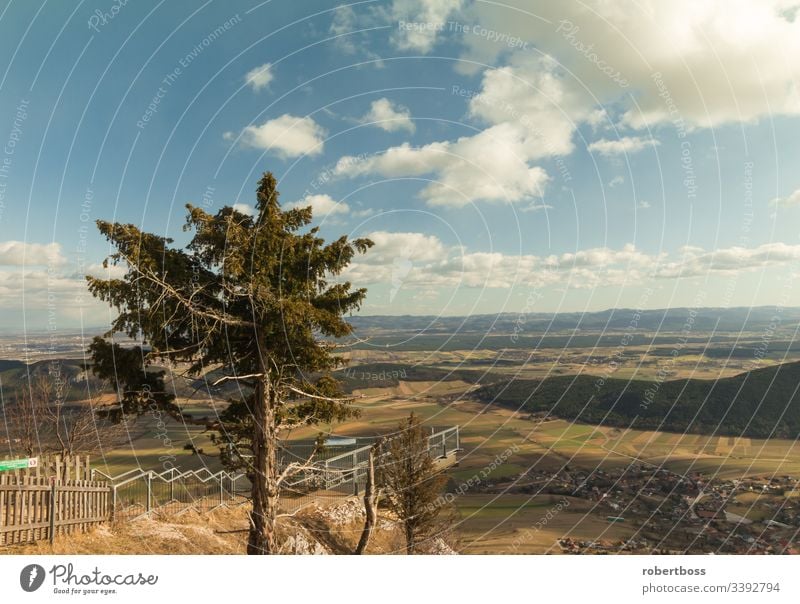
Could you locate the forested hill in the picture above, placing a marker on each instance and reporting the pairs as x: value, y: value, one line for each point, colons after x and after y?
x: 763, y: 403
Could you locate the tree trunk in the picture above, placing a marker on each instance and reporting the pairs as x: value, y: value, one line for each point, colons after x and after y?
x: 262, y: 538
x: 409, y: 539
x: 370, y: 504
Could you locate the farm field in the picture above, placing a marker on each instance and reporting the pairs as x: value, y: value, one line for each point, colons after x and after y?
x: 518, y: 524
x: 501, y: 446
x: 641, y: 362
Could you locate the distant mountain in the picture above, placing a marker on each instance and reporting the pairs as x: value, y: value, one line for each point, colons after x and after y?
x: 763, y: 403
x: 668, y: 320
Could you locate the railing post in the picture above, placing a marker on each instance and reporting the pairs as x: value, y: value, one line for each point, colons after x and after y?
x: 355, y: 473
x: 221, y: 489
x: 113, y: 502
x: 149, y: 491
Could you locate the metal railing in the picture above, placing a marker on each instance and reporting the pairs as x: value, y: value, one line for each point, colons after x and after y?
x: 347, y: 471
x: 138, y: 492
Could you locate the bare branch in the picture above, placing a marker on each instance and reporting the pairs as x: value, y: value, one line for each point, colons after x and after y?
x: 237, y: 377
x: 330, y: 399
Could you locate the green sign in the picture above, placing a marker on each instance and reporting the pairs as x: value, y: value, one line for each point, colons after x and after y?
x: 17, y: 464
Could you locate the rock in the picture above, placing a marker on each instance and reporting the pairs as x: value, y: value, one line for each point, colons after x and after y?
x: 303, y: 544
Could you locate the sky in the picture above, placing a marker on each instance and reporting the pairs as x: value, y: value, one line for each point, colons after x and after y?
x: 504, y: 156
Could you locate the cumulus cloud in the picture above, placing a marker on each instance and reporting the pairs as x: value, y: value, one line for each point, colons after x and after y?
x: 696, y: 261
x: 489, y: 166
x: 112, y: 271
x: 259, y: 77
x: 625, y: 145
x: 388, y: 116
x: 791, y: 201
x: 529, y: 116
x: 244, y: 208
x: 287, y: 136
x: 704, y: 63
x: 20, y: 253
x: 425, y: 261
x: 321, y: 205
x: 418, y: 22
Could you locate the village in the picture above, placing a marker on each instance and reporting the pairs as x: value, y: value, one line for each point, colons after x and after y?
x: 672, y: 513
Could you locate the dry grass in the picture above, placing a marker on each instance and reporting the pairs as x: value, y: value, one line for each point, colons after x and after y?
x: 187, y: 533
x: 332, y: 528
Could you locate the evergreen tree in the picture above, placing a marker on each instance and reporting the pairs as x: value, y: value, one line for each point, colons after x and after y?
x: 254, y: 297
x: 412, y: 483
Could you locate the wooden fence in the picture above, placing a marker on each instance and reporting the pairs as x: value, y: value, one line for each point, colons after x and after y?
x: 55, y: 498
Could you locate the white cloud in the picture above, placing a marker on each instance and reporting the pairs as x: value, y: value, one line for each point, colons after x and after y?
x: 51, y: 290
x: 244, y: 208
x: 489, y: 166
x: 20, y: 253
x: 112, y: 271
x: 616, y: 181
x: 425, y: 262
x: 530, y: 116
x: 344, y: 22
x: 287, y: 136
x: 351, y: 30
x: 321, y: 205
x: 388, y: 116
x: 621, y: 146
x: 259, y: 77
x: 418, y: 22
x: 531, y: 95
x: 695, y: 261
x: 644, y: 204
x: 791, y: 201
x: 719, y: 62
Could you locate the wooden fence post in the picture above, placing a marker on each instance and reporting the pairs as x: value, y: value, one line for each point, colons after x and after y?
x: 113, y: 512
x: 52, y: 510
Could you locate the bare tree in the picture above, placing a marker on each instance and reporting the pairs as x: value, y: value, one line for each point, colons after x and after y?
x: 371, y: 497
x: 41, y: 422
x: 413, y: 483
x: 22, y: 418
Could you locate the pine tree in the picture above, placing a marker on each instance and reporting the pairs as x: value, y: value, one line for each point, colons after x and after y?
x: 412, y: 483
x: 253, y: 297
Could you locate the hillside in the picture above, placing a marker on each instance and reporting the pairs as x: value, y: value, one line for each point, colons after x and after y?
x: 763, y: 403
x: 17, y: 374
x: 322, y: 528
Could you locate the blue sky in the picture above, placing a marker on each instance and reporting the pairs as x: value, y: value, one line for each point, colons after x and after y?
x: 575, y: 158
